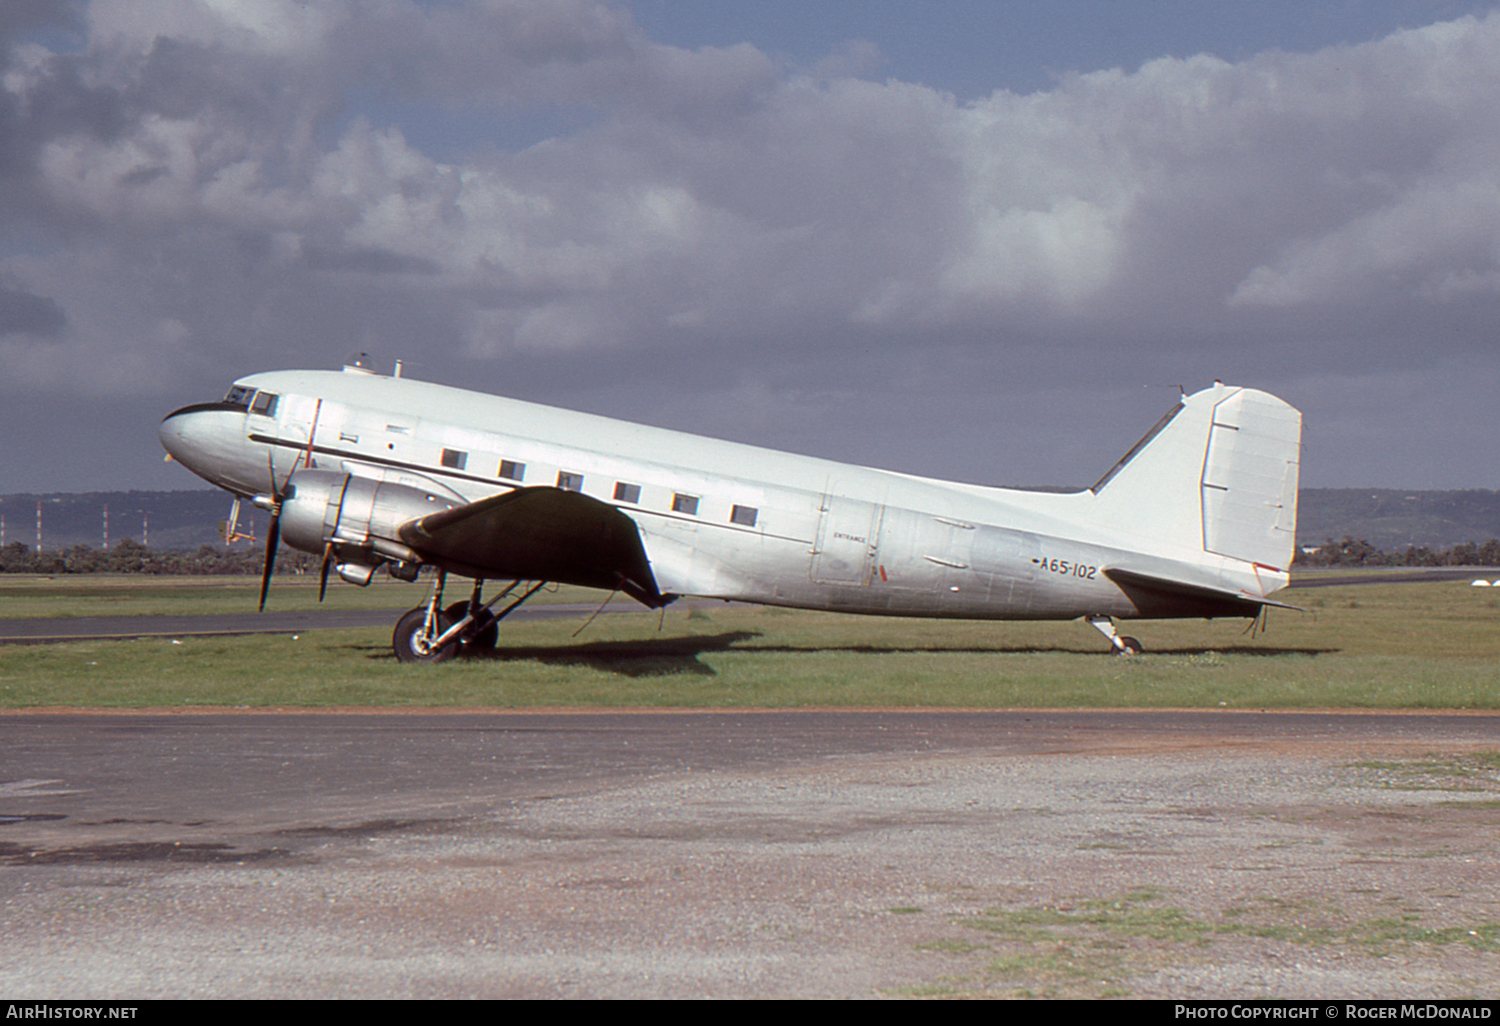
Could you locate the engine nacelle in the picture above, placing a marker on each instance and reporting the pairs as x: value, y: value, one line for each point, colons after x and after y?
x: 321, y: 506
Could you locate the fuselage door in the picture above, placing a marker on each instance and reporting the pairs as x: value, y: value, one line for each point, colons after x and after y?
x: 848, y: 533
x: 302, y: 422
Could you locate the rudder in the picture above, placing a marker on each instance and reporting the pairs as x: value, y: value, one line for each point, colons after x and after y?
x: 1250, y: 477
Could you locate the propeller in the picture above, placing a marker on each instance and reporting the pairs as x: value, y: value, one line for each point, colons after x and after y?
x: 323, y: 570
x: 275, y: 506
x: 273, y: 538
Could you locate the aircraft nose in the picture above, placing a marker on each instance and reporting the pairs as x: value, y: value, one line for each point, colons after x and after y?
x: 176, y: 434
x: 202, y: 438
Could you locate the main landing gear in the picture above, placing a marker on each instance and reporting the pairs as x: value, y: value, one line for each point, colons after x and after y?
x: 433, y: 634
x: 1125, y: 646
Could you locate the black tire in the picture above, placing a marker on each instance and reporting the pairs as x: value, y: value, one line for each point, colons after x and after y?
x: 483, y: 633
x: 488, y: 632
x: 1129, y: 646
x: 411, y: 647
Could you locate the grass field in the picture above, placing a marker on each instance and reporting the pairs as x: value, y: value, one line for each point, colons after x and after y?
x: 104, y: 595
x: 1431, y: 645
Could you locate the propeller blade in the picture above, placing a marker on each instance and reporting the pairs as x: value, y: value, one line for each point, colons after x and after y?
x: 323, y: 571
x: 271, y: 474
x: 272, y: 540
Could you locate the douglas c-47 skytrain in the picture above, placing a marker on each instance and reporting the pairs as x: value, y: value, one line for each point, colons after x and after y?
x: 370, y: 471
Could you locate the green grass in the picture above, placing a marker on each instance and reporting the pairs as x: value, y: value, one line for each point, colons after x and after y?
x: 1091, y: 947
x: 25, y: 595
x: 1371, y: 646
x: 1472, y: 771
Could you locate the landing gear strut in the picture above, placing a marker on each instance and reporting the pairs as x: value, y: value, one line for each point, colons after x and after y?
x: 1125, y: 646
x: 432, y: 634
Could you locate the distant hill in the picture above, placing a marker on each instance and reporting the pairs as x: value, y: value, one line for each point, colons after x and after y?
x: 1394, y: 520
x: 160, y: 520
x: 1389, y: 519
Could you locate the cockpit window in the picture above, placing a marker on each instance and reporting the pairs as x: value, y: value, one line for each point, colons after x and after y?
x: 264, y: 403
x: 239, y: 395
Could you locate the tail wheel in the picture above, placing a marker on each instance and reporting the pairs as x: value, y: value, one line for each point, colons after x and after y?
x: 1129, y: 646
x: 414, y: 645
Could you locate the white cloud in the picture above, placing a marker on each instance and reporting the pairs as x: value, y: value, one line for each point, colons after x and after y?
x: 211, y: 184
x: 277, y: 28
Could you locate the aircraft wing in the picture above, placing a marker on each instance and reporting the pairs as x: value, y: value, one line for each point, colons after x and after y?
x: 1162, y: 597
x: 538, y: 534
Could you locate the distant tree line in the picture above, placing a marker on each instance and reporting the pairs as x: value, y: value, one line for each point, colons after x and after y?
x: 131, y: 557
x: 1361, y: 553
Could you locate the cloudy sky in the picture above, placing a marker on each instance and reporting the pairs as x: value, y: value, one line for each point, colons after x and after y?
x: 986, y: 240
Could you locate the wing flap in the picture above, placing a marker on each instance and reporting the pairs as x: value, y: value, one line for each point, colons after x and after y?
x: 539, y: 534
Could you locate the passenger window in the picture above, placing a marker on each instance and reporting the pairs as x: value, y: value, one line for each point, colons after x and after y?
x: 513, y: 470
x: 743, y: 515
x: 569, y: 482
x: 454, y: 459
x: 264, y: 404
x: 627, y: 492
x: 685, y: 504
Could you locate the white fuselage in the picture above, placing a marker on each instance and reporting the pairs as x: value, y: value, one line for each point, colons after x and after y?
x: 719, y: 519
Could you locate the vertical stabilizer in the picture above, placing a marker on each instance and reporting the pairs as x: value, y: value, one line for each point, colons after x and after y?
x: 1218, y: 473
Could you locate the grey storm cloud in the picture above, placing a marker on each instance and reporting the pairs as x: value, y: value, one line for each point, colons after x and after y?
x: 205, y: 188
x: 24, y: 16
x: 24, y: 313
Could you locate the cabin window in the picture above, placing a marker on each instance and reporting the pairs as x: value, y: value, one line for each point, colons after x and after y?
x: 743, y: 515
x: 513, y: 470
x: 569, y: 482
x: 627, y: 492
x: 685, y: 504
x: 454, y: 459
x: 264, y: 403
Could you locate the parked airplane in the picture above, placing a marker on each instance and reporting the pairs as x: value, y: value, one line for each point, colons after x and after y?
x: 372, y: 471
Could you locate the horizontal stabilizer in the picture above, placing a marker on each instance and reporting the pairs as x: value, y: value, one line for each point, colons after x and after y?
x: 539, y: 534
x: 1161, y: 597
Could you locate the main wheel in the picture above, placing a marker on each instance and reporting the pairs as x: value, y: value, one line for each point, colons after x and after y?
x: 414, y: 645
x: 1129, y: 646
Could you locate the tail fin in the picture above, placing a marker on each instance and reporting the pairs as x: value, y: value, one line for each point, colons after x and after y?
x: 1220, y: 468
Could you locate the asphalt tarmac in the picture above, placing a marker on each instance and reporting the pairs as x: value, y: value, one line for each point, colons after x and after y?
x: 811, y: 853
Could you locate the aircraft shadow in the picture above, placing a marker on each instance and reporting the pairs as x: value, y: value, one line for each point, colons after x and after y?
x: 1242, y: 650
x: 659, y: 657
x: 649, y: 657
